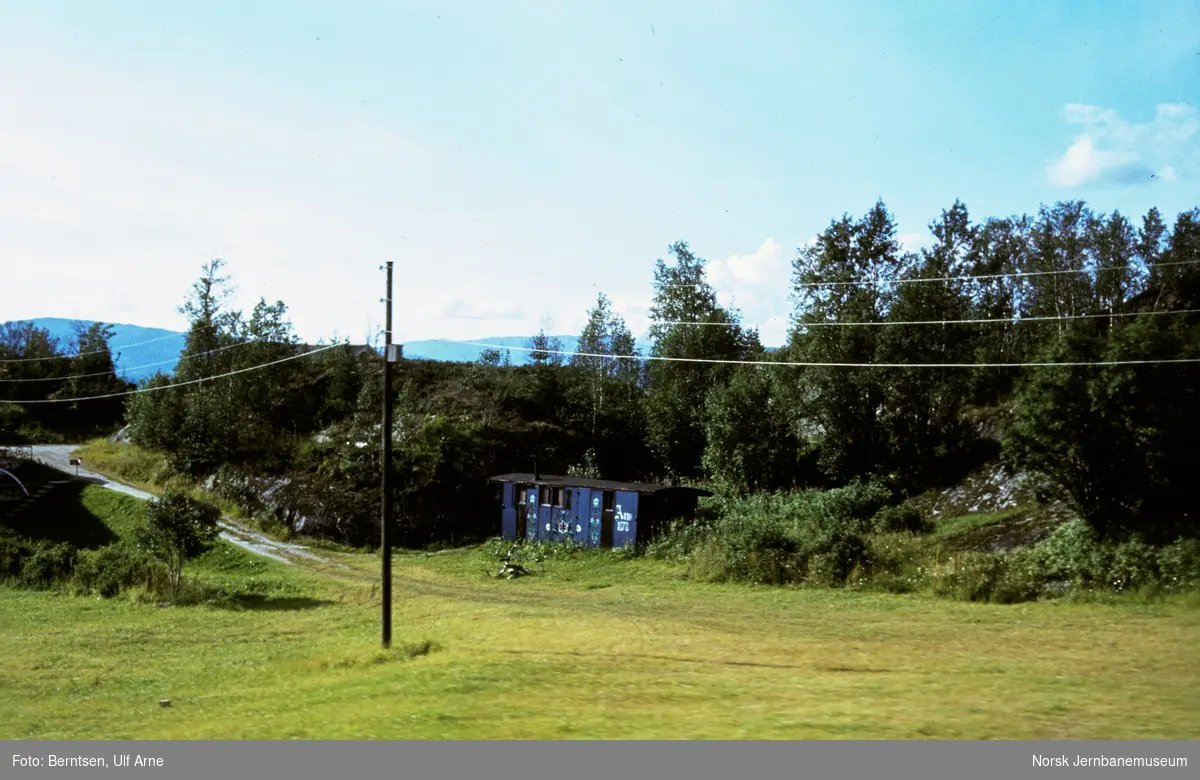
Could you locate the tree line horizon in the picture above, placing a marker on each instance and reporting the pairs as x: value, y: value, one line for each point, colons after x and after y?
x: 1113, y: 441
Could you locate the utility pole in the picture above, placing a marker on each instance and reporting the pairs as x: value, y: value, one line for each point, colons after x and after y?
x: 385, y: 538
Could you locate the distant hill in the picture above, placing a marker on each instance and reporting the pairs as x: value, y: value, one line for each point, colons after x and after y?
x: 138, y: 359
x: 451, y: 351
x: 135, y: 359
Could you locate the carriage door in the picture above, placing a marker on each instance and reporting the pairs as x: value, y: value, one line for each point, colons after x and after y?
x: 625, y: 519
x: 560, y: 527
x: 519, y: 506
x: 606, y: 520
x: 508, y: 511
x: 593, y: 518
x: 545, y: 527
x: 531, y: 513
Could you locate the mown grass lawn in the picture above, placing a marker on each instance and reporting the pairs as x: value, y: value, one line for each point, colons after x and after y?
x: 593, y: 645
x: 590, y: 647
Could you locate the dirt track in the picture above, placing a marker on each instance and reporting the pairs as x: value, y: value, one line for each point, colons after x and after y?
x: 59, y: 456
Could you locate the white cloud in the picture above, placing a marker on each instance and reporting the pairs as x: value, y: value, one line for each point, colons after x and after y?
x: 754, y: 268
x: 1083, y: 163
x: 1113, y: 151
x: 757, y: 283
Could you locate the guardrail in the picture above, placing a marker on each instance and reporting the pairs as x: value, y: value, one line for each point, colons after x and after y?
x: 16, y: 451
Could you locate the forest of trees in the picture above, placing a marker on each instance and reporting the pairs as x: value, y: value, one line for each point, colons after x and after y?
x: 1111, y: 300
x: 34, y: 366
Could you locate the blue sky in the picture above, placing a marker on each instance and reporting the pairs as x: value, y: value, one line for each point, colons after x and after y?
x: 514, y: 158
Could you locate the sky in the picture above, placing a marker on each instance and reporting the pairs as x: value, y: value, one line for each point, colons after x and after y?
x: 514, y: 158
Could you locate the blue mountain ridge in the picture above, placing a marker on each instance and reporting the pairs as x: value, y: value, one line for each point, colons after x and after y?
x: 518, y: 347
x: 137, y: 360
x: 134, y: 359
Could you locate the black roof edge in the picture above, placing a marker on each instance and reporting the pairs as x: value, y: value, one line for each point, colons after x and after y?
x: 599, y: 484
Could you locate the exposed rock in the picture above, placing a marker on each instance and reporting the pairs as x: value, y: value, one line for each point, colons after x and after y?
x: 295, y: 504
x: 993, y: 490
x: 990, y: 489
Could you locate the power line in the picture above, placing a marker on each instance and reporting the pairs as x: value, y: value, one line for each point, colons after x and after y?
x: 175, y: 384
x: 93, y: 352
x: 1010, y: 321
x: 136, y: 368
x: 826, y: 365
x: 973, y: 277
x: 967, y: 277
x: 107, y: 349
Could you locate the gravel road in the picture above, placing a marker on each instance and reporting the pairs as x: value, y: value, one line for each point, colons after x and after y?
x: 59, y: 456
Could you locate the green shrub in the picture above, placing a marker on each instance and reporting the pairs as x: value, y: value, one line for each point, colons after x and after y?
x: 48, y: 565
x: 972, y: 576
x: 714, y: 561
x: 900, y: 518
x: 850, y: 536
x: 806, y: 536
x: 1072, y: 554
x: 160, y: 588
x: 178, y: 528
x: 109, y: 570
x: 1021, y: 578
x: 680, y: 539
x: 832, y: 557
x: 853, y: 505
x: 1131, y: 566
x: 13, y: 552
x: 894, y: 563
x: 1179, y: 564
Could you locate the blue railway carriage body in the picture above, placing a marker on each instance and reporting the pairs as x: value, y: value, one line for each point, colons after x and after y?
x: 591, y: 512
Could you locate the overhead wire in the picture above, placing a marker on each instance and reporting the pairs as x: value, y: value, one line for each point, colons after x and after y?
x: 1014, y: 320
x: 176, y: 361
x: 107, y: 349
x: 176, y: 384
x: 815, y: 364
x: 962, y: 278
x: 1010, y: 321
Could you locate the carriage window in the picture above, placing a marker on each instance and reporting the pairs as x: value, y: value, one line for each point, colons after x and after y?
x: 566, y: 502
x: 558, y: 497
x: 545, y: 496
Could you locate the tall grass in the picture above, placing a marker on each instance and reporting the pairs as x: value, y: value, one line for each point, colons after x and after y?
x: 854, y: 537
x: 816, y: 537
x: 131, y: 464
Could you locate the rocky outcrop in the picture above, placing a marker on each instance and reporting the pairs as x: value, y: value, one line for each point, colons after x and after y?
x: 992, y: 490
x: 302, y: 504
x: 987, y: 490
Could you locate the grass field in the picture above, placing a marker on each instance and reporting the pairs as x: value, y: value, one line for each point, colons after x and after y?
x: 591, y: 646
